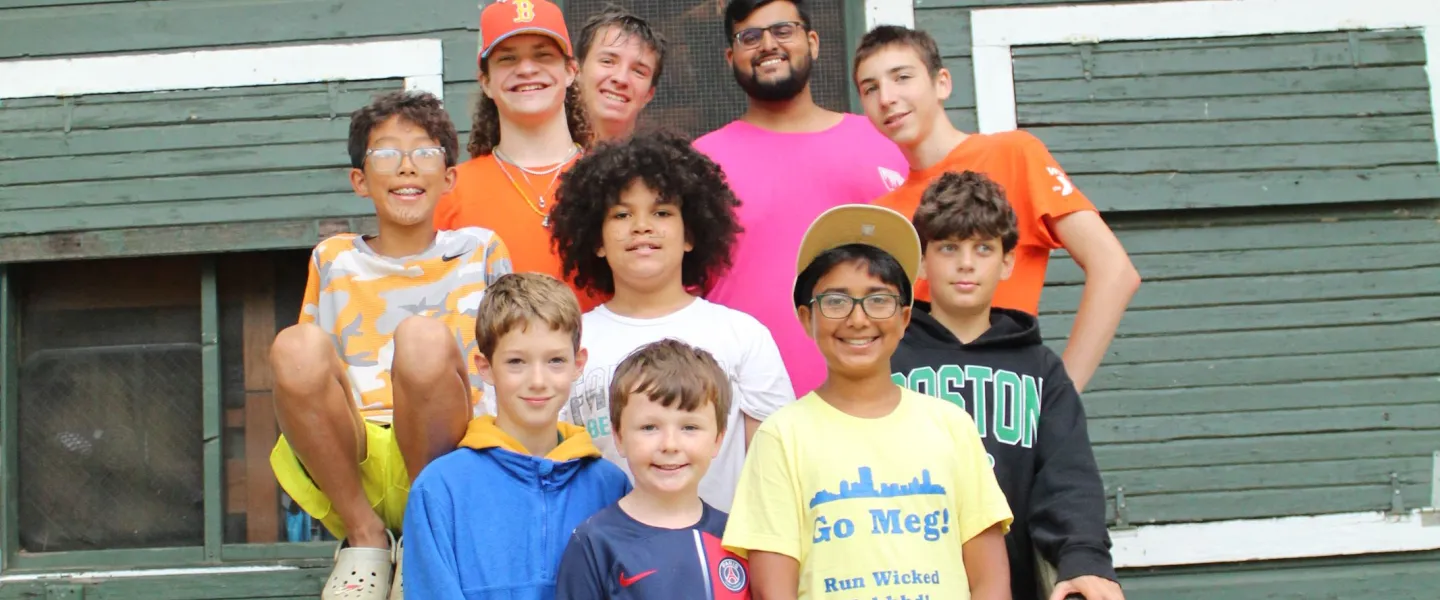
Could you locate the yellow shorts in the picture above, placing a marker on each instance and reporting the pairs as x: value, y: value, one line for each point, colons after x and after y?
x: 382, y: 473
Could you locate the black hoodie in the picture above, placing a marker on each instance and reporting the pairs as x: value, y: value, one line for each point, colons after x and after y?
x: 1033, y: 427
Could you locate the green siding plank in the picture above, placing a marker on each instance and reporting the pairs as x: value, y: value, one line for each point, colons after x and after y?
x: 1245, y: 290
x: 1277, y: 475
x: 1379, y: 420
x: 1249, y: 158
x: 950, y: 28
x: 147, y: 26
x: 1247, y: 264
x: 178, y: 213
x: 1307, y: 227
x: 134, y: 165
x: 962, y: 83
x: 965, y: 119
x: 269, y: 132
x: 1323, y: 81
x: 135, y: 192
x: 1362, y: 38
x: 1210, y: 135
x: 1254, y: 504
x: 212, y: 411
x: 135, y: 558
x: 1386, y: 51
x: 1289, y: 315
x: 194, y: 107
x: 1271, y: 369
x: 1242, y: 344
x: 302, y: 582
x: 1172, y: 191
x: 1268, y: 448
x: 287, y: 551
x: 9, y: 418
x: 1246, y: 397
x: 1225, y: 108
x: 240, y: 236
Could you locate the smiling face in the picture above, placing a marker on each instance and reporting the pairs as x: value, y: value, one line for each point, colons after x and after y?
x: 526, y: 76
x: 405, y: 191
x: 773, y: 69
x: 644, y: 239
x: 532, y: 370
x: 963, y: 274
x: 617, y: 78
x: 667, y: 449
x: 857, y: 345
x: 898, y: 94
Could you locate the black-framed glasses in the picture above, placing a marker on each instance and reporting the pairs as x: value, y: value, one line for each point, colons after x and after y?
x: 388, y: 160
x: 839, y: 306
x: 783, y: 31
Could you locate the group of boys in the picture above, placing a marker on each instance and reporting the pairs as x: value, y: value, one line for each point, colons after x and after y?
x: 564, y: 368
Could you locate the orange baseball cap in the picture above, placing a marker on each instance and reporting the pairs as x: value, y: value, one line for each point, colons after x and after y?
x: 505, y: 18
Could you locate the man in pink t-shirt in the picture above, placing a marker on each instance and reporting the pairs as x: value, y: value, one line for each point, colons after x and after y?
x: 788, y: 160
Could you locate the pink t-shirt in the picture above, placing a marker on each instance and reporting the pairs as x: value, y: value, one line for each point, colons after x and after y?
x: 784, y: 181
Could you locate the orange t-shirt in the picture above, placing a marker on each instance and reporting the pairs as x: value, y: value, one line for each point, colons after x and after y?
x: 485, y: 197
x: 1038, y: 191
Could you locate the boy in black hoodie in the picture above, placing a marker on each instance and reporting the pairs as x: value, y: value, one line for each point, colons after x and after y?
x: 991, y: 362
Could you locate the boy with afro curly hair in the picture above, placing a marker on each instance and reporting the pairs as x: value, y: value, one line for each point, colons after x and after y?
x: 650, y: 223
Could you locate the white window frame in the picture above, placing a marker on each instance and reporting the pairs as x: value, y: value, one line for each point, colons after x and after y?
x: 995, y: 31
x: 419, y: 62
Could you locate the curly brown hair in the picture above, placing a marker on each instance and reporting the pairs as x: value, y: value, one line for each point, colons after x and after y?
x: 420, y: 108
x: 485, y: 118
x: 965, y: 205
x: 668, y: 164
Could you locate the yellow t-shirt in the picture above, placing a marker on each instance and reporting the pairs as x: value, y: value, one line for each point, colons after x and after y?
x: 871, y: 508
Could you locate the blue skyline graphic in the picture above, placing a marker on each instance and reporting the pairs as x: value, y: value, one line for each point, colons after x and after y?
x: 865, y: 488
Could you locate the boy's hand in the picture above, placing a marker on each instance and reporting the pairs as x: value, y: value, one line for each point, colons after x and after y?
x: 1089, y: 586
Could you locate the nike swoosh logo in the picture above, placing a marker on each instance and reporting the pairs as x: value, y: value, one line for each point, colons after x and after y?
x: 451, y: 257
x: 629, y: 581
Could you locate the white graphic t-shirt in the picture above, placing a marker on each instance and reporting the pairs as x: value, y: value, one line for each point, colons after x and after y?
x: 742, y: 346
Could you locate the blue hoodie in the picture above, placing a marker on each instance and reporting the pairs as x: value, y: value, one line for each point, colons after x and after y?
x: 489, y: 521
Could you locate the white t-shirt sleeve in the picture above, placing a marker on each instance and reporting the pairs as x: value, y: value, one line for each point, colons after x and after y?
x: 762, y: 380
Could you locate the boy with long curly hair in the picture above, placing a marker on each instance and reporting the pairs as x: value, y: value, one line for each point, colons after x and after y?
x: 650, y: 222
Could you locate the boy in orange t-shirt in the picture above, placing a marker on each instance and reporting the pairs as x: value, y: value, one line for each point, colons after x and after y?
x: 902, y: 86
x: 526, y: 130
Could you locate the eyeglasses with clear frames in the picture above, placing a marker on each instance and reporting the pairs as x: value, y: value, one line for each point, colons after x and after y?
x: 388, y: 160
x: 840, y: 306
x: 783, y: 31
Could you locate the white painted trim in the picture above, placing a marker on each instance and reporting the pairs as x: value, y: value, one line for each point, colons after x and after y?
x: 419, y: 62
x: 132, y: 573
x: 995, y: 31
x: 889, y: 12
x: 1271, y: 539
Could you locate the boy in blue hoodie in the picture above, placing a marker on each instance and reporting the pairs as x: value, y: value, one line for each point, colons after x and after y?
x: 990, y: 362
x: 491, y: 519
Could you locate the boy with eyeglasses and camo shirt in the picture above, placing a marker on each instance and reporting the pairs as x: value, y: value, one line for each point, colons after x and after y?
x: 376, y: 381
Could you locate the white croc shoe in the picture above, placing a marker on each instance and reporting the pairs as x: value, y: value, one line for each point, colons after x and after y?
x: 360, y: 574
x: 397, y: 587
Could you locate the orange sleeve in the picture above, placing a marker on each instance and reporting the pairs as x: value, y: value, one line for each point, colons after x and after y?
x: 310, y: 306
x: 447, y: 209
x: 1051, y: 193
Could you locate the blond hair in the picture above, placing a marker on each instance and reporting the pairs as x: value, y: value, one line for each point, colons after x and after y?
x: 516, y: 299
x: 669, y: 372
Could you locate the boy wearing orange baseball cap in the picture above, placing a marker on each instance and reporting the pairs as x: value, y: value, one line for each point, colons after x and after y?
x: 528, y: 127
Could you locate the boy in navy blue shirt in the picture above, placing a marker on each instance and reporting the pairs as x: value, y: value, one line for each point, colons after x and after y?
x: 668, y: 402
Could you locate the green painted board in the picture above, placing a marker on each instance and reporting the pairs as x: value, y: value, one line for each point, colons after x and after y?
x: 333, y: 179
x: 1322, y: 81
x: 1285, y: 154
x: 1408, y: 576
x: 1266, y: 342
x: 267, y: 132
x: 1278, y: 261
x: 1268, y: 448
x: 146, y: 26
x: 1266, y: 316
x: 176, y: 162
x: 118, y: 216
x: 1346, y: 105
x: 1378, y: 420
x: 288, y: 583
x: 1309, y: 474
x: 1105, y: 60
x: 1174, y: 191
x: 1197, y: 402
x: 1160, y: 293
x: 1255, y: 504
x: 1272, y: 369
x: 1214, y: 135
x: 239, y: 236
x: 1312, y: 226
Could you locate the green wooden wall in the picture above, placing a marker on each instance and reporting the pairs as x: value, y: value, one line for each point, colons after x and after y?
x: 1278, y: 195
x: 226, y: 169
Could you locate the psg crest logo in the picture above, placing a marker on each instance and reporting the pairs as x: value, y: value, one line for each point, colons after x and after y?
x: 732, y: 574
